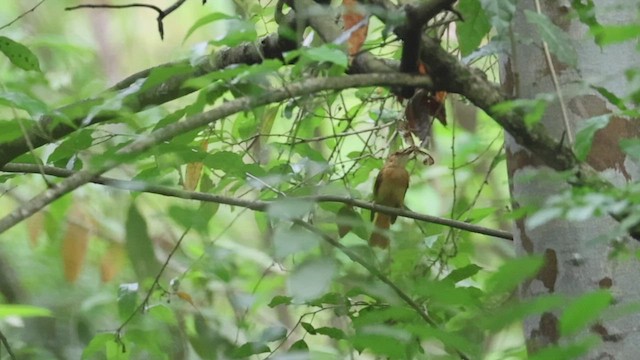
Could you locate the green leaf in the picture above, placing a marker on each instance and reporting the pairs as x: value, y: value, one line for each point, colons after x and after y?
x: 557, y: 39
x: 127, y: 299
x: 273, y: 333
x: 299, y: 346
x: 328, y: 53
x: 23, y: 101
x: 161, y: 74
x: 462, y: 273
x: 289, y: 208
x: 19, y: 54
x: 97, y: 344
x: 308, y: 327
x: 631, y: 147
x: 584, y: 135
x: 512, y: 273
x: 293, y: 240
x: 607, y: 35
x: 584, y: 311
x: 474, y: 28
x: 331, y: 332
x: 499, y: 12
x: 279, y: 300
x: 383, y: 340
x: 139, y: 245
x: 164, y: 314
x: 506, y: 315
x: 248, y: 349
x: 311, y: 279
x: 10, y: 129
x: 207, y: 19
x: 237, y: 32
x: 189, y: 217
x: 22, y: 311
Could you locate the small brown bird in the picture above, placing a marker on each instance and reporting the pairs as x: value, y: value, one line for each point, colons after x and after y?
x: 389, y: 190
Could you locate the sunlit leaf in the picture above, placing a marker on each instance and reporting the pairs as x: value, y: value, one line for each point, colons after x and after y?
x: 512, y: 273
x: 311, y: 279
x: 23, y: 311
x: 474, y: 28
x: 279, y: 300
x: 583, y: 311
x: 163, y: 314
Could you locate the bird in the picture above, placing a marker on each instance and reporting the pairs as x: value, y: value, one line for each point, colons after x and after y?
x: 389, y: 190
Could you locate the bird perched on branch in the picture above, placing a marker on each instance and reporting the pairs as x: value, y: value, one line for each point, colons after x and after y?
x: 390, y: 187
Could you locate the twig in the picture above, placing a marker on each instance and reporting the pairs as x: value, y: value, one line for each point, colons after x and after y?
x: 22, y: 15
x: 256, y: 205
x: 161, y: 13
x: 375, y: 272
x: 5, y: 342
x: 155, y: 283
x: 556, y: 84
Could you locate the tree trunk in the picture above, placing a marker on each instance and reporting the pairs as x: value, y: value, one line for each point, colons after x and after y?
x: 574, y: 263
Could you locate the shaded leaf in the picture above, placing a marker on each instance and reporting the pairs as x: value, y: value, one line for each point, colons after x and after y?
x: 18, y: 54
x: 74, y: 247
x: 586, y: 131
x: 293, y: 240
x: 207, y: 19
x: 111, y: 262
x: 248, y: 349
x: 139, y: 245
x: 127, y: 297
x: 558, y: 41
x: 194, y: 170
x: 273, y: 333
x: 279, y: 300
x: 584, y: 311
x: 311, y: 279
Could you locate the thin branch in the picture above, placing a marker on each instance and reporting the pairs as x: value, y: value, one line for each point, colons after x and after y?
x: 155, y: 283
x: 302, y: 88
x: 161, y: 13
x: 256, y: 205
x: 22, y: 15
x: 5, y: 342
x: 556, y: 84
x: 375, y: 272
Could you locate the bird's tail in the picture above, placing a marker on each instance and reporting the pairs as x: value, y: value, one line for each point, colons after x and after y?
x: 379, y: 237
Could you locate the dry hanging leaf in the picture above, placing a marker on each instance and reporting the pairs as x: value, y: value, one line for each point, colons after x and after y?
x: 186, y: 297
x: 194, y: 170
x: 111, y: 262
x: 351, y: 17
x: 74, y: 250
x: 35, y: 225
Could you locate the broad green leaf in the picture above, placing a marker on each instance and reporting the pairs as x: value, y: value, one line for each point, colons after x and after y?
x: 446, y: 294
x: 631, y: 147
x: 273, y: 333
x: 292, y: 240
x: 327, y: 53
x: 10, y: 129
x: 613, y: 34
x: 512, y: 273
x: 331, y: 332
x: 23, y: 101
x: 279, y: 300
x: 289, y: 208
x: 236, y: 32
x: 299, y: 346
x: 509, y: 314
x: 499, y: 12
x: 613, y: 98
x: 584, y: 136
x: 68, y: 148
x: 584, y: 311
x: 308, y: 327
x: 248, y: 349
x: 97, y: 345
x: 462, y: 273
x: 311, y: 279
x: 161, y: 74
x: 474, y: 28
x: 140, y: 246
x: 19, y: 54
x: 189, y: 217
x: 382, y: 340
x: 22, y: 311
x: 570, y: 351
x: 207, y: 19
x: 164, y: 314
x: 127, y: 299
x: 557, y: 40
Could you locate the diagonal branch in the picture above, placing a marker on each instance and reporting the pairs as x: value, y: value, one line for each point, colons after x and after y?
x: 306, y: 87
x: 256, y: 205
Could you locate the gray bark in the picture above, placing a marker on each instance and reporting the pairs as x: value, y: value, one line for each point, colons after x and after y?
x: 574, y: 263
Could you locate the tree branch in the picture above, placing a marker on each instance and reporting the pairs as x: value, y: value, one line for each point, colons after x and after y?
x: 306, y: 87
x: 22, y: 15
x: 161, y: 13
x: 256, y: 205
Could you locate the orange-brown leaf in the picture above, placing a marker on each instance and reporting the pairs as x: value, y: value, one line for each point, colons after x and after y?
x: 35, y: 225
x: 186, y: 297
x: 74, y: 250
x: 194, y: 170
x: 111, y: 262
x: 351, y: 17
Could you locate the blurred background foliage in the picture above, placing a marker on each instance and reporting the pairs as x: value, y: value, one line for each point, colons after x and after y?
x: 245, y: 282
